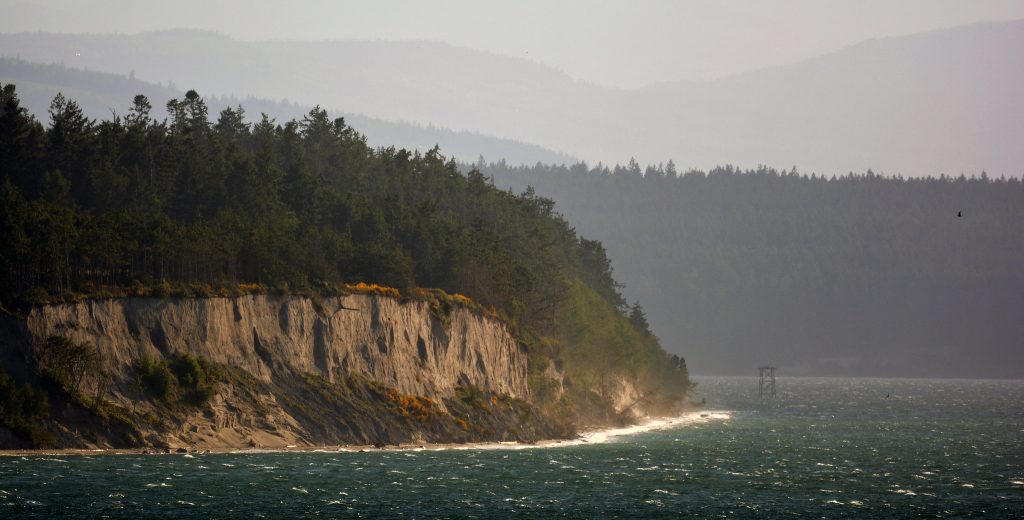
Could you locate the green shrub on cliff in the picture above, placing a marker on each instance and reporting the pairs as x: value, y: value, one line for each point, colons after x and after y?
x: 156, y: 377
x: 185, y: 378
x: 197, y: 378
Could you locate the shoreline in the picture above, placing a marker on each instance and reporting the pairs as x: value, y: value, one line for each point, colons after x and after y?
x: 589, y: 437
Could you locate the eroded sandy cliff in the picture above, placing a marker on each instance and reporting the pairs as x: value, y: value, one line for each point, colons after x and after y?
x: 399, y: 344
x: 358, y: 369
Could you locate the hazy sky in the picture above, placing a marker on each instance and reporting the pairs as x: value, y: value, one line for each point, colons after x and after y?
x: 617, y: 43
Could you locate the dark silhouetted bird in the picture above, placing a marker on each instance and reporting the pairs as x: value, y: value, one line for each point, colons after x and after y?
x: 959, y: 214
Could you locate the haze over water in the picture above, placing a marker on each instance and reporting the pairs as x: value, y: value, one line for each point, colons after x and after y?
x: 824, y: 448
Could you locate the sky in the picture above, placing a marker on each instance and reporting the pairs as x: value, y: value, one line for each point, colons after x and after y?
x: 613, y: 43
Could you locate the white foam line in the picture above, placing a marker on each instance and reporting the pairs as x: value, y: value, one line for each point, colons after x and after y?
x: 609, y: 434
x: 586, y: 438
x: 654, y: 424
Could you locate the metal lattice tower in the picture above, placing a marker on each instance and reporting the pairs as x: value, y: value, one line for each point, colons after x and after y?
x: 766, y: 383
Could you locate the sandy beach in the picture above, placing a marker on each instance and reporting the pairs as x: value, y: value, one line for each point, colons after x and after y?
x: 597, y: 436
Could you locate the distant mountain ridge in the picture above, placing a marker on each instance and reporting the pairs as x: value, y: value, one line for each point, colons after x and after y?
x: 101, y: 94
x: 937, y: 102
x: 942, y: 101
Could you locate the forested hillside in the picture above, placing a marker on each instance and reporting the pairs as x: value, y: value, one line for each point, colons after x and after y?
x: 854, y: 275
x: 194, y: 208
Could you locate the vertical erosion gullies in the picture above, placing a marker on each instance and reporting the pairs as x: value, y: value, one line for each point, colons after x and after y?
x: 267, y: 371
x: 398, y: 344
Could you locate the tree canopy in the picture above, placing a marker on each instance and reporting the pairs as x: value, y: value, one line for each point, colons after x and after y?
x: 89, y: 208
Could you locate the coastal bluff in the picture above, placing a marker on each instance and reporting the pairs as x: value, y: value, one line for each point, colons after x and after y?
x: 399, y: 344
x: 271, y: 371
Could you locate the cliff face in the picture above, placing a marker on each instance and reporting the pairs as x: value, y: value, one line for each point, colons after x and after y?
x: 401, y: 345
x: 292, y: 370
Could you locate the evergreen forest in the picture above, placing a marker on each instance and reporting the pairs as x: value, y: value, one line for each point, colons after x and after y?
x: 192, y: 207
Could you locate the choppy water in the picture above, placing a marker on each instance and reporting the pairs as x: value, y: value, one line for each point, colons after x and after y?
x: 826, y: 448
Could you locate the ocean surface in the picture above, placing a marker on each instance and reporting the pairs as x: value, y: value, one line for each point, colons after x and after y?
x: 824, y: 448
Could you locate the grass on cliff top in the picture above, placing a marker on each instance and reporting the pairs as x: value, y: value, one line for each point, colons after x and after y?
x: 441, y: 303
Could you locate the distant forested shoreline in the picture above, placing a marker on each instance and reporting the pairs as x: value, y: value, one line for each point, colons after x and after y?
x: 860, y: 274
